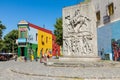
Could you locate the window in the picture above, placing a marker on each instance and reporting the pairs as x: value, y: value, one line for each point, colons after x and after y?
x: 41, y: 37
x: 98, y: 15
x: 23, y: 34
x: 111, y: 9
x: 36, y: 36
x: 36, y: 50
x: 42, y: 41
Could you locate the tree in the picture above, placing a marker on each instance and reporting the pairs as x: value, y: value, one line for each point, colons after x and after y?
x: 58, y: 32
x: 1, y: 45
x: 2, y: 27
x: 10, y: 41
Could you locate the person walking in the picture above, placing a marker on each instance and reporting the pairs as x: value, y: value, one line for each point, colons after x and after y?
x: 41, y: 55
x: 16, y: 57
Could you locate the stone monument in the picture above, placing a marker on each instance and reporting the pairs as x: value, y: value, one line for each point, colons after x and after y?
x: 79, y: 33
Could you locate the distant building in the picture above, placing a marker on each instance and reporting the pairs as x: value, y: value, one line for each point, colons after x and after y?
x: 33, y: 40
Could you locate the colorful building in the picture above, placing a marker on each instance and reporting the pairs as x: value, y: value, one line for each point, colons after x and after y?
x: 56, y: 47
x: 109, y: 40
x: 108, y: 26
x: 33, y: 40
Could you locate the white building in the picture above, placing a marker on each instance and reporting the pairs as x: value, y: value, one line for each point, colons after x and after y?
x: 106, y: 9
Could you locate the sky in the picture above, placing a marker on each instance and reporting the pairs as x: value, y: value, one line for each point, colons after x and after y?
x: 38, y: 12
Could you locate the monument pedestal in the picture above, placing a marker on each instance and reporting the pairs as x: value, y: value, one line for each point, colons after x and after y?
x: 72, y: 61
x: 78, y: 59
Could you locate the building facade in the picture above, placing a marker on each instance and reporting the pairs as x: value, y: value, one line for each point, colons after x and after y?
x: 108, y: 23
x: 33, y: 40
x: 56, y: 48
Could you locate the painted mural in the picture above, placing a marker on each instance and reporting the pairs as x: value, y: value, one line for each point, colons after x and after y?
x: 109, y: 40
x: 77, y: 34
x: 116, y: 49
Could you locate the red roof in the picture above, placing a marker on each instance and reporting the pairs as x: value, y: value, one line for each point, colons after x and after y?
x: 39, y: 28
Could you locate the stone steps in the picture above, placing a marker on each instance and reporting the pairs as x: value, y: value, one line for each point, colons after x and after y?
x: 82, y: 64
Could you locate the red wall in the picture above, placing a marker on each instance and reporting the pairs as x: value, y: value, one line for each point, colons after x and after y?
x: 55, y: 47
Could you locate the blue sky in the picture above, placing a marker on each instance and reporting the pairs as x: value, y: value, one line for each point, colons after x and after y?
x: 38, y: 12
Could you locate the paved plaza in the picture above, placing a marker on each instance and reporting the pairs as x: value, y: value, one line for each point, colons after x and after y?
x: 16, y: 70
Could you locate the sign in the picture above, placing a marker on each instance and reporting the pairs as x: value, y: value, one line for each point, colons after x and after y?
x: 22, y: 29
x: 106, y: 19
x: 30, y: 37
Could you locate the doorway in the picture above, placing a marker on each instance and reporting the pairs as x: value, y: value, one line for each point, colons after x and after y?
x: 22, y: 51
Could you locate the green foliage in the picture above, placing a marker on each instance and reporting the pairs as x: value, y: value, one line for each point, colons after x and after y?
x: 1, y: 44
x: 58, y: 32
x: 2, y: 27
x: 10, y: 41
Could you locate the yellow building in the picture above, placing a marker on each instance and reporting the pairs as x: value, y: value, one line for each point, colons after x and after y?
x: 44, y: 41
x: 44, y: 38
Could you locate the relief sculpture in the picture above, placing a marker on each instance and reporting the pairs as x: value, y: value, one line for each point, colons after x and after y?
x: 78, y: 40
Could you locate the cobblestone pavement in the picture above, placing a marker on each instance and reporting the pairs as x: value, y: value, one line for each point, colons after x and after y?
x: 11, y: 70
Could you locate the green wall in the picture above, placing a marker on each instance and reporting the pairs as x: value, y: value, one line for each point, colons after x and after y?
x: 19, y: 52
x: 32, y: 49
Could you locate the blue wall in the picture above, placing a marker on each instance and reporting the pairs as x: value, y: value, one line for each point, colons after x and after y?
x: 115, y: 30
x: 105, y: 35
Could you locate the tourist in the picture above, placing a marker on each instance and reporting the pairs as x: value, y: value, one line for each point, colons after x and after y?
x: 25, y: 59
x: 36, y: 59
x: 41, y: 55
x: 16, y: 57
